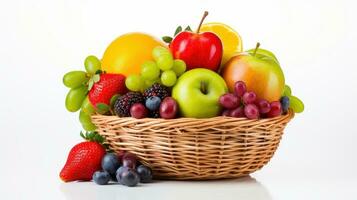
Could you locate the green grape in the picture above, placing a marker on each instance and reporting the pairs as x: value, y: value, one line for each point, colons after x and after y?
x: 287, y: 91
x: 92, y: 64
x: 89, y: 127
x: 87, y: 107
x: 296, y: 104
x: 149, y: 70
x: 165, y: 62
x: 84, y: 118
x: 86, y: 121
x: 159, y: 51
x: 179, y: 67
x: 149, y: 83
x: 168, y: 78
x: 134, y: 82
x: 75, y: 79
x: 75, y: 97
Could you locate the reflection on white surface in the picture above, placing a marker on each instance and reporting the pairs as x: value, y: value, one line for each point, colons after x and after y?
x: 244, y: 188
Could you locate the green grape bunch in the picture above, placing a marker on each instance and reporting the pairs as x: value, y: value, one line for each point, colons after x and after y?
x: 162, y: 69
x: 77, y: 82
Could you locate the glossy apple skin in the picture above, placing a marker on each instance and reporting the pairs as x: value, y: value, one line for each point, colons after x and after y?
x: 265, y: 52
x: 192, y: 101
x: 203, y: 50
x: 261, y: 74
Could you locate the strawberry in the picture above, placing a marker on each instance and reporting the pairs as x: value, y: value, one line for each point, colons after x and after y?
x: 84, y: 159
x: 104, y: 87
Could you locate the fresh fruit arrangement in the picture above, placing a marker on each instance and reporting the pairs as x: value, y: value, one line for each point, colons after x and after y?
x: 197, y: 74
x: 89, y: 161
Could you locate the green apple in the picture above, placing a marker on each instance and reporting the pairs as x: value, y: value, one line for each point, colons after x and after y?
x: 264, y: 52
x: 197, y: 92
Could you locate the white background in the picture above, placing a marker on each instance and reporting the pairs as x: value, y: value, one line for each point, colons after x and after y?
x: 315, y: 42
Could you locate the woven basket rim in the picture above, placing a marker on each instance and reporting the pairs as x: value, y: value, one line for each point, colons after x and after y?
x: 290, y: 114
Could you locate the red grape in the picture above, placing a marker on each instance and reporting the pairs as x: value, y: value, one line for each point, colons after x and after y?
x: 264, y: 106
x: 238, y: 112
x: 129, y: 160
x: 138, y: 111
x: 249, y: 97
x: 275, y: 109
x: 229, y: 101
x: 240, y: 88
x: 251, y: 111
x: 168, y: 108
x: 226, y: 113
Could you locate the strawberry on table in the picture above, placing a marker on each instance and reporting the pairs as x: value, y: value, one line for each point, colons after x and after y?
x: 84, y: 159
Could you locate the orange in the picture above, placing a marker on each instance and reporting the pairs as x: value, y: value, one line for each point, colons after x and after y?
x: 128, y: 52
x: 231, y: 41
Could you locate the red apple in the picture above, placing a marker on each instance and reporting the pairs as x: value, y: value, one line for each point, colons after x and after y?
x: 198, y: 50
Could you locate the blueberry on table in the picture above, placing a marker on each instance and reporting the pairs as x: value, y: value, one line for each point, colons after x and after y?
x: 101, y: 177
x: 145, y: 173
x: 129, y: 177
x: 110, y: 163
x: 119, y: 173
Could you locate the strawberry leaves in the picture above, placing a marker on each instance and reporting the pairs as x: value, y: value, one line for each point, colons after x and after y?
x: 102, y: 108
x: 168, y: 39
x: 95, y: 78
x: 92, y: 136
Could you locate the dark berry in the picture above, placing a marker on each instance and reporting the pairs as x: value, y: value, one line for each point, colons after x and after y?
x: 285, y: 103
x: 157, y: 90
x: 129, y: 177
x: 110, y: 163
x: 123, y: 103
x: 144, y: 173
x: 153, y: 103
x: 101, y: 177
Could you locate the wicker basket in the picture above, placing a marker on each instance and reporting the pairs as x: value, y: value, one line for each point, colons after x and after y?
x: 196, y: 149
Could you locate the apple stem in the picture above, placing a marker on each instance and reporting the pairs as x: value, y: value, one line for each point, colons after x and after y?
x: 203, y: 88
x: 203, y: 18
x: 256, y: 48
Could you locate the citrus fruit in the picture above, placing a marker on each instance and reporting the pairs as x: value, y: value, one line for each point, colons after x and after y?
x: 231, y: 41
x: 128, y: 52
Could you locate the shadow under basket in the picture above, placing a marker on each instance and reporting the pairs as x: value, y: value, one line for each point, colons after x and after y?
x: 195, y: 149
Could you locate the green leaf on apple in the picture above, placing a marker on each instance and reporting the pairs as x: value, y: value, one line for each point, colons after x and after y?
x: 167, y: 39
x: 178, y: 30
x: 188, y: 28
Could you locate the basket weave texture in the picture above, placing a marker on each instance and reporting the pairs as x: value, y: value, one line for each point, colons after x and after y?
x: 196, y: 149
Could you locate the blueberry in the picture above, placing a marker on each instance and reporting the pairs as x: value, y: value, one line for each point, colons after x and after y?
x: 119, y: 173
x: 153, y: 103
x: 129, y: 178
x: 110, y: 163
x: 101, y: 178
x: 285, y: 103
x: 145, y: 173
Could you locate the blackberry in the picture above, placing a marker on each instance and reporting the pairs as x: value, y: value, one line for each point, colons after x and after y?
x: 154, y: 114
x: 157, y: 90
x: 123, y: 103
